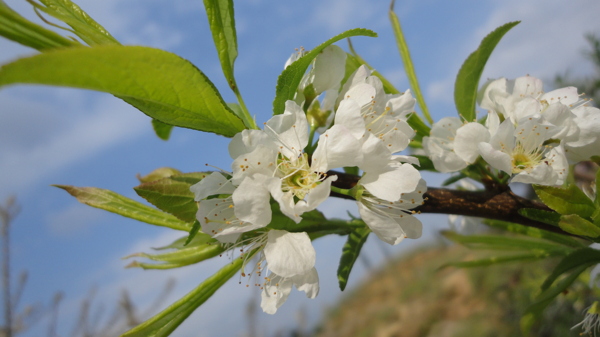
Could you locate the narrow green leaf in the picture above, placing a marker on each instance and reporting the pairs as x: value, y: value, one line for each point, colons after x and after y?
x: 425, y: 163
x: 581, y: 257
x: 551, y: 218
x: 169, y: 319
x: 574, y: 224
x: 597, y: 200
x: 118, y: 204
x: 497, y: 260
x: 162, y: 130
x: 570, y: 200
x: 534, y: 311
x: 172, y: 194
x: 193, y: 232
x: 497, y: 242
x: 536, y: 233
x: 18, y: 29
x: 161, y: 84
x: 222, y: 25
x: 90, y: 31
x: 288, y: 81
x: 467, y: 80
x: 200, y: 250
x: 408, y: 65
x: 350, y: 252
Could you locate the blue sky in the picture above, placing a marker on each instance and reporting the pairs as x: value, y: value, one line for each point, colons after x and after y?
x: 74, y: 137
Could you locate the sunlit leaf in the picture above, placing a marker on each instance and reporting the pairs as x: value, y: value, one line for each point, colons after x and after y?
x: 536, y: 233
x: 161, y: 84
x: 574, y: 224
x: 570, y: 200
x: 118, y: 204
x: 551, y: 218
x: 162, y: 130
x: 18, y: 29
x: 157, y: 174
x: 222, y: 25
x: 172, y: 194
x: 90, y: 31
x: 467, y: 80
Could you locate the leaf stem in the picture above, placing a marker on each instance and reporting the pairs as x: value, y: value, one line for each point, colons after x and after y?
x: 246, y: 117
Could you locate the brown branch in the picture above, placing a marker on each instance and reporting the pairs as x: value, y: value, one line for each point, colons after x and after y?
x: 496, y: 204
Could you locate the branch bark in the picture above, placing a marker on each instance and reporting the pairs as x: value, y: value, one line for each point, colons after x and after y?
x: 497, y: 204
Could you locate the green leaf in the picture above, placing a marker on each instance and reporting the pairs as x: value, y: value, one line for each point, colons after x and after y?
x: 408, y: 65
x: 172, y: 194
x: 350, y: 252
x: 582, y: 257
x: 467, y: 80
x: 536, y: 233
x: 570, y: 200
x: 551, y: 218
x: 169, y: 319
x: 118, y: 204
x: 16, y: 28
x: 203, y: 248
x: 574, y: 224
x: 159, y: 173
x: 419, y: 126
x: 195, y: 229
x: 534, y: 311
x: 425, y: 164
x: 83, y: 25
x: 505, y: 243
x: 497, y: 260
x: 288, y: 81
x: 454, y: 178
x: 161, y: 84
x: 222, y: 25
x: 162, y: 130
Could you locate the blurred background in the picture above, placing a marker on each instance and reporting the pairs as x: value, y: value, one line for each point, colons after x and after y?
x: 75, y: 137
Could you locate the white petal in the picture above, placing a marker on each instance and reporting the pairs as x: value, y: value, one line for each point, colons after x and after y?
x: 261, y: 160
x: 284, y: 199
x: 375, y: 154
x: 251, y: 200
x: 336, y: 148
x: 468, y: 138
x: 247, y: 140
x: 289, y: 254
x: 527, y: 86
x: 497, y: 159
x: 213, y: 184
x: 316, y: 196
x: 348, y: 115
x: 289, y: 130
x: 566, y: 96
x: 275, y: 293
x: 392, y: 181
x: 308, y: 282
x: 329, y: 68
x: 384, y: 227
x: 362, y: 93
x: 483, y: 98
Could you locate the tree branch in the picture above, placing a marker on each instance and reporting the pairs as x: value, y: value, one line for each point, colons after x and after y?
x: 496, y: 204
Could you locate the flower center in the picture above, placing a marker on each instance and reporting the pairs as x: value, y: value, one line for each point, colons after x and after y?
x: 523, y: 160
x: 297, y: 176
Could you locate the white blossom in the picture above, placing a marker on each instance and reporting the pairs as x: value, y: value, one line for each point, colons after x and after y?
x: 392, y: 222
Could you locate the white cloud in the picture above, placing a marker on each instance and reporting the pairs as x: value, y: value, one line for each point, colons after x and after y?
x: 105, y: 122
x: 73, y: 220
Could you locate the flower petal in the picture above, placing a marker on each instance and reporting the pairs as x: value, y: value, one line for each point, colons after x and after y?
x: 289, y: 254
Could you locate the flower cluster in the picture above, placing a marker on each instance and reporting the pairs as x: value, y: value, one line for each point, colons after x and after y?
x: 529, y: 135
x: 360, y: 126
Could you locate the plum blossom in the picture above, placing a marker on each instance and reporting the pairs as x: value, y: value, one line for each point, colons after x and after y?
x: 577, y: 125
x: 291, y: 260
x: 392, y: 222
x: 272, y: 163
x: 522, y: 151
x: 591, y: 321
